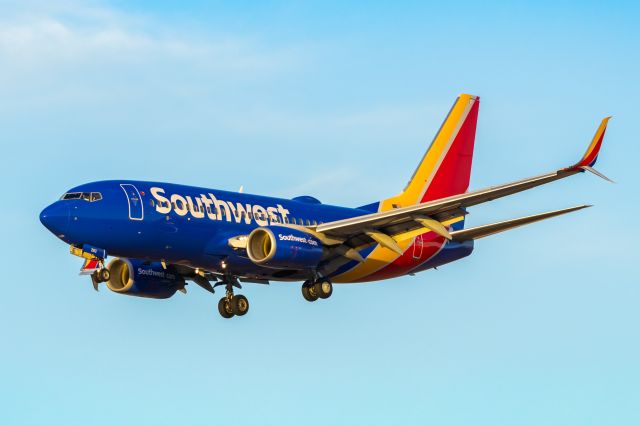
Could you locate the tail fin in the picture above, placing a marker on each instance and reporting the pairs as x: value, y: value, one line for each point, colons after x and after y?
x: 446, y: 167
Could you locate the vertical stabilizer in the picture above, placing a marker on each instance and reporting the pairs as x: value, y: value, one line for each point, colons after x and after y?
x: 445, y: 169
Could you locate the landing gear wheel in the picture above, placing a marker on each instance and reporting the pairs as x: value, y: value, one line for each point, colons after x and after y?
x: 239, y: 305
x: 104, y: 275
x: 324, y: 289
x: 224, y: 308
x: 306, y: 293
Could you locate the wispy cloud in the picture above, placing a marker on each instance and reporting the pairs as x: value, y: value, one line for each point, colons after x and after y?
x: 318, y: 183
x: 86, y: 71
x: 76, y: 33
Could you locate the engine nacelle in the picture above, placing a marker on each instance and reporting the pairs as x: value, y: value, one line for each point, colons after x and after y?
x: 280, y: 247
x: 143, y: 279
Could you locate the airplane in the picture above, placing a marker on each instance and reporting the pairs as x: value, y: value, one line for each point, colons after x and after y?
x: 162, y: 235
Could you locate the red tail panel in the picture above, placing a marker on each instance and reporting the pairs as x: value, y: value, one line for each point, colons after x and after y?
x: 452, y: 177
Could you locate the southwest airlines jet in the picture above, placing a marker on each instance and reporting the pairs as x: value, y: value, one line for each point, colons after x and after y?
x: 162, y: 235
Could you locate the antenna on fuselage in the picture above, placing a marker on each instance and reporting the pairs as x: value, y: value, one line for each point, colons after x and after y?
x: 241, y: 190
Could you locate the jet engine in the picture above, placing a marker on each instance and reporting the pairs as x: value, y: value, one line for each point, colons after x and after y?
x: 143, y: 279
x: 280, y: 247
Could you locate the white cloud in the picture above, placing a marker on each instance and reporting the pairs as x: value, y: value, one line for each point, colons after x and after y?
x: 66, y: 36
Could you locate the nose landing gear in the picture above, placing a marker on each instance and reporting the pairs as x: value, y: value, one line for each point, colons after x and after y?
x: 319, y: 289
x: 101, y: 275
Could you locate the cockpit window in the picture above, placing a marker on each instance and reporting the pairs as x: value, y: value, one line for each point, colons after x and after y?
x: 72, y: 196
x: 87, y: 196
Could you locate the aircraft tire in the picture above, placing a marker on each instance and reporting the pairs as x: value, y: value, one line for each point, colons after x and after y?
x: 104, y: 275
x: 307, y: 294
x: 222, y: 308
x: 324, y: 289
x: 239, y: 305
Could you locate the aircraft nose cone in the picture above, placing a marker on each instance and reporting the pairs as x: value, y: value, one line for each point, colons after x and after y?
x: 55, y: 218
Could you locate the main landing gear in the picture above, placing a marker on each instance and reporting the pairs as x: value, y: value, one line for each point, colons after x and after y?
x: 319, y: 289
x: 232, y: 304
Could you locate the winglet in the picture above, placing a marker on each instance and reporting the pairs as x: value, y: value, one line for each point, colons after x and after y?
x: 591, y: 155
x: 597, y: 173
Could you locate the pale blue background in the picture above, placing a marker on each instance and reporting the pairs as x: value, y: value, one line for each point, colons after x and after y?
x: 538, y: 327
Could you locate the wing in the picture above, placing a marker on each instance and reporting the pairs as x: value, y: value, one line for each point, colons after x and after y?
x: 387, y: 227
x: 478, y: 232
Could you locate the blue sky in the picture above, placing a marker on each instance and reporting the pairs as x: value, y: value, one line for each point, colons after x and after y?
x: 538, y: 326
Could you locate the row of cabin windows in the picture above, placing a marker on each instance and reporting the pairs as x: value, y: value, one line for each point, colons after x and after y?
x: 223, y: 213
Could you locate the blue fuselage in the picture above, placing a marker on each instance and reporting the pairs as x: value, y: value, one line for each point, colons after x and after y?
x: 192, y: 226
x: 177, y: 223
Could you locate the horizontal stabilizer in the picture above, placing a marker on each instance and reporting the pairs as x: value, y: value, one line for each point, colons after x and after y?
x: 494, y: 228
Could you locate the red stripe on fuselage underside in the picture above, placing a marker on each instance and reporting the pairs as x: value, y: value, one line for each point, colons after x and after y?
x: 411, y: 258
x: 452, y: 177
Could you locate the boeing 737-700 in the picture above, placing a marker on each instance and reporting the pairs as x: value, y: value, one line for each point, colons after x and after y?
x: 162, y: 235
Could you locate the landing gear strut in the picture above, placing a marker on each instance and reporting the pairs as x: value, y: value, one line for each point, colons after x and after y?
x: 319, y: 289
x: 232, y: 304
